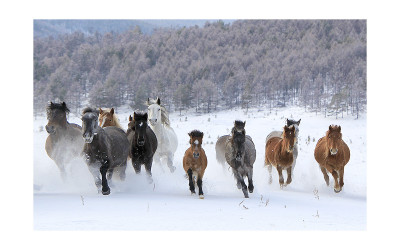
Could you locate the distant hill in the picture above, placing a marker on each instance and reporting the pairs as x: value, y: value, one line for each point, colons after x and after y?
x: 56, y: 27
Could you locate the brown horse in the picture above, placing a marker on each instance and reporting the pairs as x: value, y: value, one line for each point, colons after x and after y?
x: 195, y: 161
x: 107, y: 117
x: 65, y: 139
x: 279, y: 153
x: 332, y: 154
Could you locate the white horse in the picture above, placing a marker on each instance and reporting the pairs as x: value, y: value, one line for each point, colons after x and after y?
x: 166, y: 137
x: 279, y: 134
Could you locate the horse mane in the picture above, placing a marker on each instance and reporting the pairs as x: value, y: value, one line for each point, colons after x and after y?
x: 164, y: 113
x: 60, y: 106
x: 116, y: 119
x: 90, y: 110
x: 196, y: 133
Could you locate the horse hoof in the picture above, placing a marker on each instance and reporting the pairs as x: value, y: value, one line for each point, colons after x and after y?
x: 337, y: 191
x: 107, y: 192
x: 201, y: 196
x: 246, y: 196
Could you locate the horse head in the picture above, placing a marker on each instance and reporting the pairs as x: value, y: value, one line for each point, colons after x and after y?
x: 106, y: 118
x: 289, y: 138
x: 154, y: 111
x: 89, y: 124
x: 140, y: 127
x: 196, y: 139
x: 56, y: 116
x: 334, y: 136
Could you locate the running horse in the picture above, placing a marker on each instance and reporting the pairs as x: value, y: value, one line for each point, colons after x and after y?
x: 64, y: 142
x: 279, y: 153
x: 240, y: 154
x: 332, y: 155
x: 195, y: 162
x: 105, y: 149
x: 289, y: 123
x: 166, y: 137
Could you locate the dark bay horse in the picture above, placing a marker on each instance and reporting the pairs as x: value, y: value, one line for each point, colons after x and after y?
x: 240, y: 154
x: 143, y: 144
x: 105, y: 149
x: 195, y: 162
x: 279, y: 153
x: 332, y: 155
x: 64, y: 141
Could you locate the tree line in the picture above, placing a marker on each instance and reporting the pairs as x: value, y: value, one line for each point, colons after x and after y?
x: 316, y: 64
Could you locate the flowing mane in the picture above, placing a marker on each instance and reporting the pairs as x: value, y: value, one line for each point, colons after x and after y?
x: 164, y: 113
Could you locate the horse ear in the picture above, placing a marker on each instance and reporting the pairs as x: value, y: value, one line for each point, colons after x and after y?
x: 202, y: 134
x: 330, y: 127
x: 158, y: 101
x: 145, y: 116
x: 130, y: 118
x: 244, y: 123
x: 298, y: 123
x: 340, y: 129
x: 101, y: 111
x: 189, y: 134
x: 112, y: 111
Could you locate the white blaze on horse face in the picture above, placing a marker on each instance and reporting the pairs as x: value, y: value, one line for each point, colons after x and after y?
x: 102, y: 121
x: 141, y: 124
x: 196, y: 142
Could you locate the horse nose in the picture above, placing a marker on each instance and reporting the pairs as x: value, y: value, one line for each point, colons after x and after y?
x: 196, y: 155
x: 334, y: 151
x: 50, y: 129
x: 140, y: 142
x: 87, y: 137
x: 238, y: 157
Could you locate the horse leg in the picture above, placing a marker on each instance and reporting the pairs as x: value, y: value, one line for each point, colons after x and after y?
x: 326, y: 177
x: 240, y: 179
x: 137, y: 166
x: 341, y: 173
x: 170, y: 163
x: 289, y: 175
x: 109, y: 177
x: 270, y: 174
x: 103, y: 170
x: 200, y: 185
x: 281, y: 181
x: 147, y: 166
x: 335, y: 175
x: 191, y: 184
x: 96, y: 175
x: 250, y: 179
x: 63, y: 173
x: 122, y: 174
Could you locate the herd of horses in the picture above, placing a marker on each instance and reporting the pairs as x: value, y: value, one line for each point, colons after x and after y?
x: 107, y: 148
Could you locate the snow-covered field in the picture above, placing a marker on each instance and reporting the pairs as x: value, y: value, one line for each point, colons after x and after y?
x: 306, y: 204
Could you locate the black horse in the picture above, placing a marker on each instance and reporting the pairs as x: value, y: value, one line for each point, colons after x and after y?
x: 240, y: 154
x: 105, y: 149
x: 143, y: 144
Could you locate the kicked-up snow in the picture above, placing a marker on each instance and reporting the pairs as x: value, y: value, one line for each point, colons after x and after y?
x: 166, y: 204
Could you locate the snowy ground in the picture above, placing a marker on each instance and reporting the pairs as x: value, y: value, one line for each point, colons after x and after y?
x: 306, y: 204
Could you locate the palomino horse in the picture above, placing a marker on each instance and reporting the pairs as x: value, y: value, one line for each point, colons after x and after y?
x: 295, y: 149
x: 166, y: 137
x: 240, y: 154
x: 279, y: 153
x: 105, y: 149
x: 195, y: 161
x: 332, y: 155
x: 64, y: 141
x: 108, y: 118
x: 143, y: 144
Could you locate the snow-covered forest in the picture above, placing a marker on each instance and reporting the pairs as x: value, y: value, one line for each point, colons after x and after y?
x: 319, y: 65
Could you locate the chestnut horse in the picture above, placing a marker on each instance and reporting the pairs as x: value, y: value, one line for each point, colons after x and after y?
x: 332, y: 155
x: 64, y: 141
x: 195, y: 161
x: 107, y: 117
x: 279, y: 153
